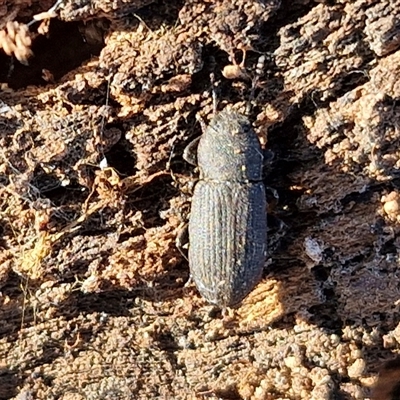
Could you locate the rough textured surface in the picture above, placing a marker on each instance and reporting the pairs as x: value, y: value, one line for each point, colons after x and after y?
x: 93, y: 297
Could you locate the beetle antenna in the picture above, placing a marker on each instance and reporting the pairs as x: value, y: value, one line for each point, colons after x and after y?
x: 214, y: 92
x: 255, y: 81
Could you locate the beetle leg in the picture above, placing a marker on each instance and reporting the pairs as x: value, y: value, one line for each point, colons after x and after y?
x: 214, y: 98
x: 268, y: 155
x: 182, y: 244
x: 182, y: 241
x: 277, y: 229
x: 190, y: 152
x: 272, y: 197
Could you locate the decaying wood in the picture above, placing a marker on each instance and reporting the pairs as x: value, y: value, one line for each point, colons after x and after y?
x: 93, y: 191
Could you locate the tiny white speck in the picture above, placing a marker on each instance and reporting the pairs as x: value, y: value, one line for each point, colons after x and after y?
x: 103, y: 164
x: 4, y: 108
x: 65, y: 182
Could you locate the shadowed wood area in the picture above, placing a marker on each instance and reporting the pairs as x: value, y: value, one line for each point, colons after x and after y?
x: 98, y: 100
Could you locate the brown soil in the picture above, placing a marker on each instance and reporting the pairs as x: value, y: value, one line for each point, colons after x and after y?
x: 93, y: 297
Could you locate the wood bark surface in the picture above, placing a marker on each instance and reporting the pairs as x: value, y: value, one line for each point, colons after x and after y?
x: 94, y: 190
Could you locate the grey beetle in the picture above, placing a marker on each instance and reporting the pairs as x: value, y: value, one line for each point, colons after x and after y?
x: 228, y: 218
